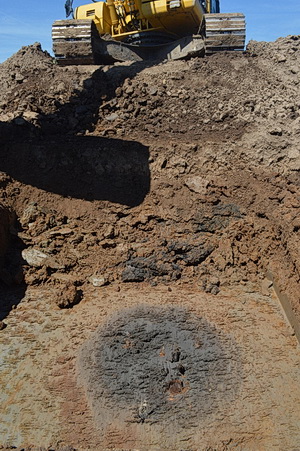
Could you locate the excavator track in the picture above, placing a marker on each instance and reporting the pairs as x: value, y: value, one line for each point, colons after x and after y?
x: 73, y: 42
x: 224, y: 32
x: 77, y: 42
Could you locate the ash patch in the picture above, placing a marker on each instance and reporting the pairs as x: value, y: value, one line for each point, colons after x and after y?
x: 160, y: 368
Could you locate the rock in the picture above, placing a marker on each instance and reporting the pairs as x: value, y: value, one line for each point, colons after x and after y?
x: 60, y: 87
x: 34, y: 257
x: 19, y: 78
x: 276, y: 131
x: 133, y: 274
x: 35, y: 276
x: 67, y: 295
x: 281, y: 58
x: 29, y: 215
x: 109, y: 232
x: 98, y: 281
x: 266, y: 284
x: 129, y: 90
x: 197, y: 184
x: 197, y: 255
x: 4, y: 179
x: 153, y: 91
x: 112, y: 117
x: 211, y: 285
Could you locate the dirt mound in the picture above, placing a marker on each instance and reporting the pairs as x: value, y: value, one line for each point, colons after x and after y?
x: 213, y: 137
x: 57, y: 99
x: 181, y: 174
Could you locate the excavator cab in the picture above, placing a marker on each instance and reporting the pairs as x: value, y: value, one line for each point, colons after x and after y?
x: 211, y: 6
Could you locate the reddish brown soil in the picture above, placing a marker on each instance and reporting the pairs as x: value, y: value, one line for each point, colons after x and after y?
x: 182, y: 171
x: 180, y: 174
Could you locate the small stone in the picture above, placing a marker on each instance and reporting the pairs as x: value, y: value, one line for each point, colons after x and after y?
x: 214, y: 289
x: 129, y: 90
x: 67, y: 296
x: 197, y: 185
x: 265, y: 286
x: 119, y: 91
x: 281, y: 59
x: 211, y: 285
x: 276, y: 131
x: 98, y: 281
x: 34, y: 257
x: 19, y: 78
x: 60, y: 87
x: 133, y: 274
x: 112, y: 117
x: 2, y: 325
x: 153, y: 91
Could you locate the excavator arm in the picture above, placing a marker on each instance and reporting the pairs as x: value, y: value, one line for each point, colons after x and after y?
x: 69, y: 8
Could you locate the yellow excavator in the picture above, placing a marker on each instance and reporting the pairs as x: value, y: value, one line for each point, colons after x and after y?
x: 137, y: 30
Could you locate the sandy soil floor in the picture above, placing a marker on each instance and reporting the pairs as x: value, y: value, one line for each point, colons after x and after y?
x: 240, y: 385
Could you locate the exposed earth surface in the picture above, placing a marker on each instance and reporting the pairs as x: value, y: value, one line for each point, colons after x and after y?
x: 149, y: 228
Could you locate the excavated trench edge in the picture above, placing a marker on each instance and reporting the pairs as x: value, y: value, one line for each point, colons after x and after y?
x: 286, y: 306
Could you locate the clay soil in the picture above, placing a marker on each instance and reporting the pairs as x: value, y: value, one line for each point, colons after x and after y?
x: 132, y: 188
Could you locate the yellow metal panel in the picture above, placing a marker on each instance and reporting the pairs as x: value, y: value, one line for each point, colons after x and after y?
x: 181, y: 21
x: 193, y: 6
x: 99, y: 13
x: 156, y: 8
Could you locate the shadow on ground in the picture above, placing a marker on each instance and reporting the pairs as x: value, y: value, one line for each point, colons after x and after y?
x: 12, y: 286
x: 59, y: 158
x: 88, y: 168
